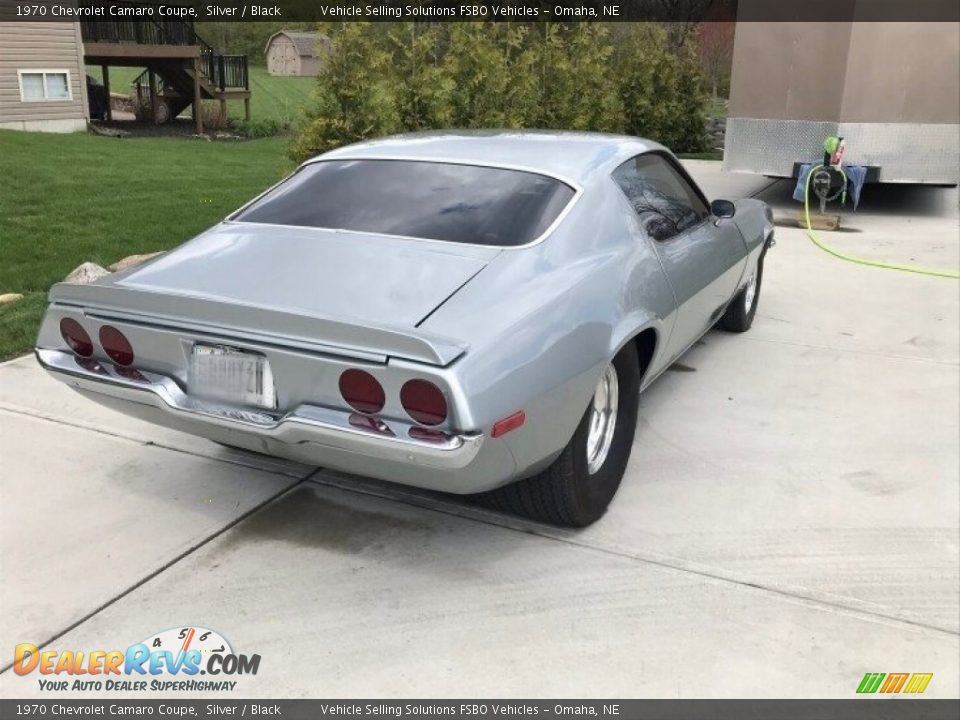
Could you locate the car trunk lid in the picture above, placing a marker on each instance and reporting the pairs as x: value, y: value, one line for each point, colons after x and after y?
x: 351, y: 277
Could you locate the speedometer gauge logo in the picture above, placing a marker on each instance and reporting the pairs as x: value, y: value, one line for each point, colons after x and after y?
x: 186, y: 639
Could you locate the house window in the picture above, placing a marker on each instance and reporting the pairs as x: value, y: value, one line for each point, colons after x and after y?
x: 44, y: 85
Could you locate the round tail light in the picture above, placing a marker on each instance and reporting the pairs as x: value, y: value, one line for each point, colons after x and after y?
x: 424, y: 402
x: 116, y: 345
x: 362, y: 391
x: 76, y: 337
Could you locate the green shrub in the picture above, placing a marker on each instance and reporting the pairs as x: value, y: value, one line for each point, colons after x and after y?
x: 424, y: 96
x: 357, y: 94
x: 491, y: 71
x: 577, y: 88
x: 259, y: 127
x: 383, y: 78
x: 660, y: 89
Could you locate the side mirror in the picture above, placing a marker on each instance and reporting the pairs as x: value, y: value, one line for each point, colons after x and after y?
x: 660, y: 228
x: 723, y: 209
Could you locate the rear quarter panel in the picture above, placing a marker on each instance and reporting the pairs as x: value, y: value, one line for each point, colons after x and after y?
x: 542, y: 322
x: 751, y: 218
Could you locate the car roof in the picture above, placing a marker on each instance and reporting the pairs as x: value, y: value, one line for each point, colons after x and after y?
x: 572, y: 156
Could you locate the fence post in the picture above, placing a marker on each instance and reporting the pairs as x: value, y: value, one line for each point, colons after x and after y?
x: 197, y: 98
x: 222, y: 72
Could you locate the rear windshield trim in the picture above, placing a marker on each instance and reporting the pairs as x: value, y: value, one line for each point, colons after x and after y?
x: 576, y: 187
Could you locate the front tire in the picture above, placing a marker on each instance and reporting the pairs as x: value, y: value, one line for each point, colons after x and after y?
x: 577, y: 488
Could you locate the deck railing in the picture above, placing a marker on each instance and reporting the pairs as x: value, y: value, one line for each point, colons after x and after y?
x: 226, y: 71
x: 142, y: 32
x: 221, y: 71
x: 151, y: 32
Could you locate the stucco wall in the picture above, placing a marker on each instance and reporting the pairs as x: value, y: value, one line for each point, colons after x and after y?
x: 849, y: 72
x: 789, y: 70
x: 903, y: 72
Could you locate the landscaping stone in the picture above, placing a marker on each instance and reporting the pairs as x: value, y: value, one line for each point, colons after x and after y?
x: 132, y: 261
x: 86, y: 273
x: 7, y: 298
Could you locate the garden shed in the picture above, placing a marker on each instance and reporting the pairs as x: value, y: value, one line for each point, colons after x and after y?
x: 293, y: 52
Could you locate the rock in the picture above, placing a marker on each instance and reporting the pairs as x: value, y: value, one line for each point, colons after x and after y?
x: 86, y: 273
x: 132, y: 260
x: 6, y: 298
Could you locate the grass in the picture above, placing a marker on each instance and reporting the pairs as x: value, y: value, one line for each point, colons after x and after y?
x: 708, y: 155
x: 272, y: 97
x: 716, y: 107
x: 65, y: 199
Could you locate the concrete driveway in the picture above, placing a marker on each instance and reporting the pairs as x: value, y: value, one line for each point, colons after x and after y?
x: 788, y: 522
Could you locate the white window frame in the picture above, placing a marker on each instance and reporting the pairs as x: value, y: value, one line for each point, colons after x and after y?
x: 45, y: 72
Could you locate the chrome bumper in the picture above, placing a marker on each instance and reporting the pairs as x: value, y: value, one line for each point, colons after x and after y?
x: 305, y: 424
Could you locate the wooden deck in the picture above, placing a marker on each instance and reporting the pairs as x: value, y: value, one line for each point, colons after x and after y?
x: 181, y: 68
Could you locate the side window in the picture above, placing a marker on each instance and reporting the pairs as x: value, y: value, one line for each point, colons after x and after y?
x: 661, y: 197
x: 44, y: 85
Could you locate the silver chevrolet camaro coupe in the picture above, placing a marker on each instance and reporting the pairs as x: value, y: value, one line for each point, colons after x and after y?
x: 469, y: 312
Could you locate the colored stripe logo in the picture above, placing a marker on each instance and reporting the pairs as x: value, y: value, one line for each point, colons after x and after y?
x: 888, y: 683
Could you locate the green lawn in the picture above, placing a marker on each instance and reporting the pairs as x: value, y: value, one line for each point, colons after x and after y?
x: 707, y: 155
x: 65, y: 199
x: 716, y: 107
x: 271, y: 97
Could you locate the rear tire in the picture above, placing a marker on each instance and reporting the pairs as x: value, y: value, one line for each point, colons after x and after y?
x: 577, y: 488
x: 740, y: 313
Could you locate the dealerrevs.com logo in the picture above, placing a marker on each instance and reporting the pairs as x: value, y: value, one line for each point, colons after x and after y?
x: 178, y: 659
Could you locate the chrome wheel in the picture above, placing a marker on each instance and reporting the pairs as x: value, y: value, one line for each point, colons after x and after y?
x: 603, y: 419
x: 751, y: 294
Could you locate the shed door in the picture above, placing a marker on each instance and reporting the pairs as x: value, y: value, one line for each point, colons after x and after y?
x: 290, y: 68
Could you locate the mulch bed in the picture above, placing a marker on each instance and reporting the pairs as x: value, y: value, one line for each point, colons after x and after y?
x: 181, y: 127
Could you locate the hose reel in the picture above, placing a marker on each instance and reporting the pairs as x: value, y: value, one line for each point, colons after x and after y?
x: 829, y: 181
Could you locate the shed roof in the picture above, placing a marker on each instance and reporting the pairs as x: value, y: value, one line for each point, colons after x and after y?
x: 305, y: 42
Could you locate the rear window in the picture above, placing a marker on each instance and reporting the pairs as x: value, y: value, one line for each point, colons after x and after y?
x: 436, y: 201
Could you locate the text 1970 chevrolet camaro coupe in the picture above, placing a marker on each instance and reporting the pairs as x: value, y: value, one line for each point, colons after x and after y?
x: 465, y: 312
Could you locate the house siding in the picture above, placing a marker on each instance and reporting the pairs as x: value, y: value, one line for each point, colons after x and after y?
x: 42, y: 46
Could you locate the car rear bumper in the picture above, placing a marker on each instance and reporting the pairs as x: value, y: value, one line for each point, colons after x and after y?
x: 460, y: 463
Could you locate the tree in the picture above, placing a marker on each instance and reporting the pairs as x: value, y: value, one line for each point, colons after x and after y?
x: 681, y: 17
x: 382, y: 78
x: 577, y: 88
x: 491, y: 74
x: 686, y: 131
x: 425, y: 91
x: 245, y: 38
x: 357, y: 93
x: 715, y: 47
x: 660, y: 89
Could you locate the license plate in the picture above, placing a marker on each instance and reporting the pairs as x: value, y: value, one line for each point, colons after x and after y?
x: 231, y: 375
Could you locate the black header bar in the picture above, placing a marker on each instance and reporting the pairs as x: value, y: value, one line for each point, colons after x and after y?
x: 686, y: 11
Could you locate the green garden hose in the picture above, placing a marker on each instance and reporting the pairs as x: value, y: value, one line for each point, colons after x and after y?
x: 863, y: 261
